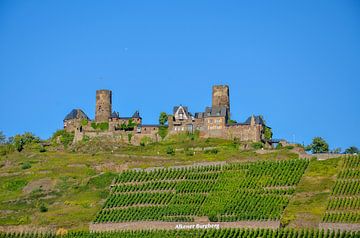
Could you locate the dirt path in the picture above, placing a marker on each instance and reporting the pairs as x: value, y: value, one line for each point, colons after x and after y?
x: 340, y: 226
x: 152, y: 225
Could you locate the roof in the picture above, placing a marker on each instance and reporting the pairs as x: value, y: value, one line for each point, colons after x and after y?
x: 114, y: 115
x: 136, y: 115
x: 258, y: 120
x: 199, y: 114
x: 76, y: 114
x: 220, y: 111
x: 184, y: 107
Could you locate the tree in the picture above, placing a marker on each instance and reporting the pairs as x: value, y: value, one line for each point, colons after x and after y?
x: 268, y: 133
x: 352, y: 150
x: 2, y: 138
x: 163, y: 118
x: 20, y: 141
x: 318, y: 145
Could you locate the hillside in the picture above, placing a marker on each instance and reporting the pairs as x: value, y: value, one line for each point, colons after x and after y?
x: 198, y: 180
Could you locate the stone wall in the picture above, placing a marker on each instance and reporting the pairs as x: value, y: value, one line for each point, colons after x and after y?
x: 245, y: 132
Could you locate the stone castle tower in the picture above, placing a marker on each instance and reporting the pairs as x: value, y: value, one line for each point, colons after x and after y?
x: 221, y: 96
x: 103, y: 105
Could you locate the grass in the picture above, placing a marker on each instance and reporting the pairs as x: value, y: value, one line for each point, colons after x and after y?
x: 308, y: 205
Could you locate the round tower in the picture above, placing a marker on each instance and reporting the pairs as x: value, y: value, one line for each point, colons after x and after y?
x: 103, y: 105
x: 221, y: 96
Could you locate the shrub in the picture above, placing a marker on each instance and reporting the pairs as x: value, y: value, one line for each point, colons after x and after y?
x: 43, y: 208
x: 84, y: 122
x: 163, y: 131
x: 257, y: 145
x: 19, y: 141
x: 170, y: 150
x: 212, y: 151
x: 63, y: 136
x: 103, y: 126
x: 145, y: 140
x: 26, y: 165
x: 129, y: 137
x: 279, y: 146
x: 42, y: 149
x: 289, y: 147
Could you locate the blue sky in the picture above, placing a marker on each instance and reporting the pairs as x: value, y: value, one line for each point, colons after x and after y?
x: 295, y: 62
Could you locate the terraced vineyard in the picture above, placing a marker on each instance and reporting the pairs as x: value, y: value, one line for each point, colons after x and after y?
x: 344, y: 203
x: 241, y: 233
x: 232, y: 192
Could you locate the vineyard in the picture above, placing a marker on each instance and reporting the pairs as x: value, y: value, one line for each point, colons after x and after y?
x: 231, y: 192
x: 235, y: 232
x: 344, y: 203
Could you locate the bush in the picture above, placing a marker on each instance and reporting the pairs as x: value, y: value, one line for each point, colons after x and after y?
x: 84, y: 122
x: 279, y: 146
x: 212, y: 151
x: 43, y: 208
x: 65, y: 137
x: 27, y: 138
x: 130, y: 135
x: 103, y: 126
x: 42, y: 149
x: 145, y: 140
x: 170, y: 150
x: 26, y: 165
x: 163, y: 131
x: 257, y: 145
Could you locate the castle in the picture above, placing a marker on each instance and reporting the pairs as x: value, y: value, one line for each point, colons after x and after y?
x: 213, y: 122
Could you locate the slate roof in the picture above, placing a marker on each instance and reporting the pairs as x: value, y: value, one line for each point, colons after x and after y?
x: 136, y: 115
x: 114, y: 115
x: 186, y: 111
x: 216, y: 111
x: 76, y: 114
x: 258, y: 120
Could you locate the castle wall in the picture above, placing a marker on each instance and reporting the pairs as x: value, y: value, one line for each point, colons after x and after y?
x: 103, y: 105
x: 244, y: 132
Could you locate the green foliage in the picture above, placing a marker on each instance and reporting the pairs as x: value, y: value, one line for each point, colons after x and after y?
x: 26, y: 165
x: 102, y: 126
x: 170, y: 150
x: 231, y: 122
x: 318, y: 145
x: 42, y: 149
x: 84, y: 122
x: 257, y: 145
x: 129, y: 137
x: 279, y: 146
x: 27, y: 138
x: 145, y: 141
x: 289, y: 147
x: 213, y: 151
x: 64, y: 137
x: 163, y: 118
x: 268, y: 133
x: 352, y: 150
x: 129, y: 126
x: 14, y: 185
x: 43, y: 207
x: 163, y: 131
x: 86, y: 138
